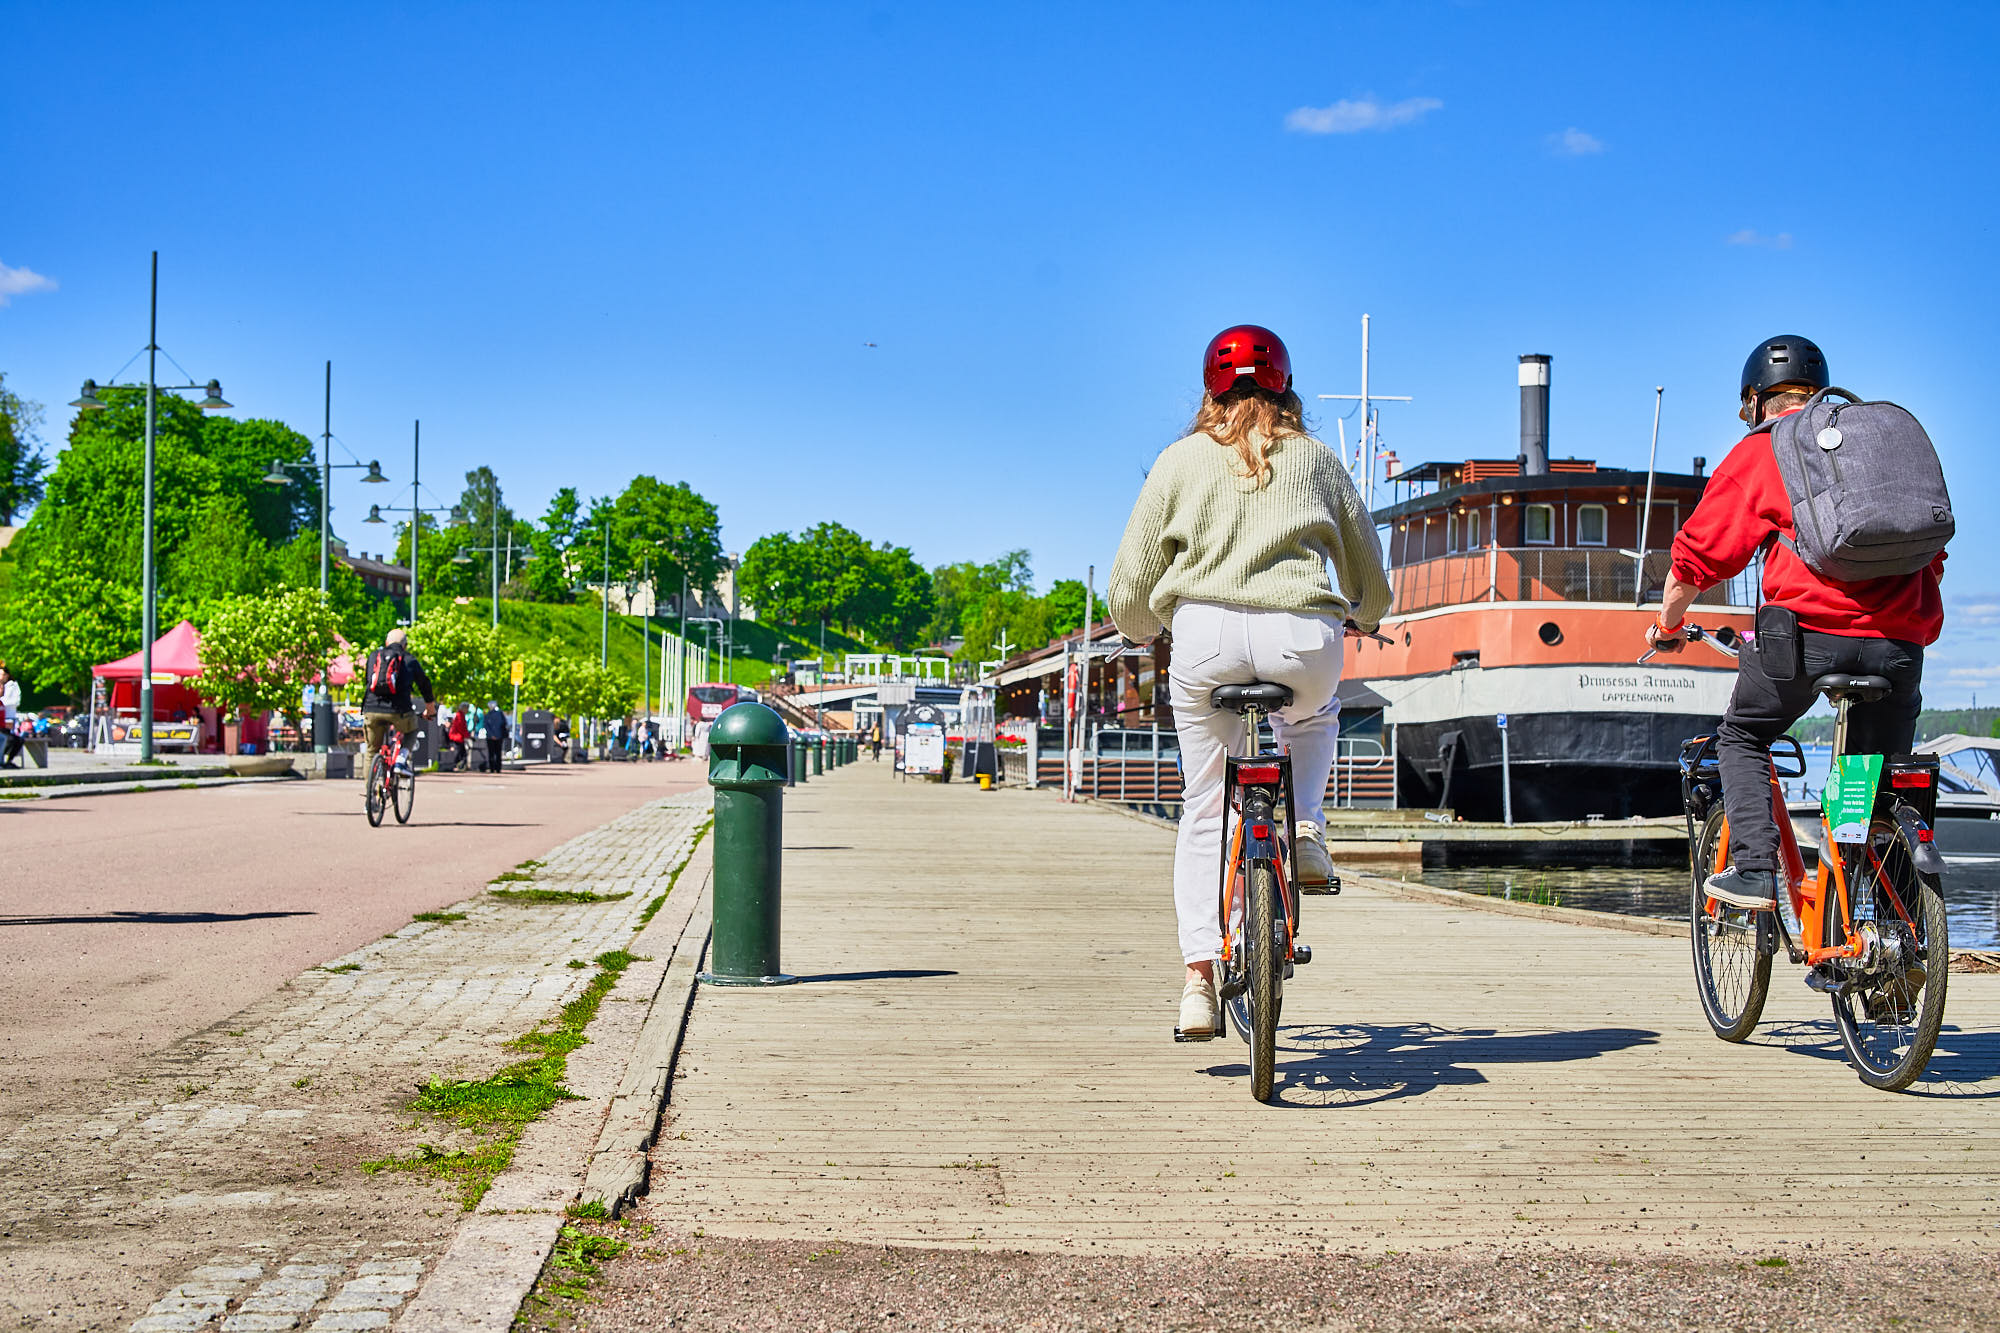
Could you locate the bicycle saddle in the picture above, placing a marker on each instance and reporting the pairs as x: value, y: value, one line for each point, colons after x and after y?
x: 1257, y: 694
x: 1861, y: 689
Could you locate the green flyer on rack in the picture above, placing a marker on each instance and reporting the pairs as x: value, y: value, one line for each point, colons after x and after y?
x: 1849, y: 795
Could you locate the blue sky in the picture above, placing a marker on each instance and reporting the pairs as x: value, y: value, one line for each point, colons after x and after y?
x: 585, y: 241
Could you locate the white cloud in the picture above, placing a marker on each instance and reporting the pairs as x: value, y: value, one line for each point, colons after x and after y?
x: 1981, y: 609
x: 1751, y: 236
x: 1573, y: 142
x: 16, y: 281
x: 1362, y: 113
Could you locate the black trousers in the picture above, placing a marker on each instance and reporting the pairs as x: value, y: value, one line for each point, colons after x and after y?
x: 1762, y: 709
x: 493, y: 749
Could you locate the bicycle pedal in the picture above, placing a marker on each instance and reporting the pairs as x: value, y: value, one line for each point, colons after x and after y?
x: 1230, y: 990
x: 1818, y: 980
x: 1194, y: 1036
x: 1302, y: 954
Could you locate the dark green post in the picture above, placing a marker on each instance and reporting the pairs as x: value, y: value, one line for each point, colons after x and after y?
x: 818, y: 748
x: 798, y: 744
x: 747, y: 749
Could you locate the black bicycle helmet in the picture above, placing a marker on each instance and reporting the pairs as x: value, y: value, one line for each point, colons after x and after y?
x: 1785, y: 359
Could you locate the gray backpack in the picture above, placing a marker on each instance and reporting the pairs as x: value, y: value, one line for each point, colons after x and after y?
x: 1867, y: 490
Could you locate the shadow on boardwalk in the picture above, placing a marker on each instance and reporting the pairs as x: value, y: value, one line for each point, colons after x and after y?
x: 1358, y: 1064
x: 1966, y: 1065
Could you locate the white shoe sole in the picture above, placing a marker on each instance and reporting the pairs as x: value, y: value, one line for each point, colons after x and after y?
x: 1741, y: 900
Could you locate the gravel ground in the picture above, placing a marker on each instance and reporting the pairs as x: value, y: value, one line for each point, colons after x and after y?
x: 692, y: 1283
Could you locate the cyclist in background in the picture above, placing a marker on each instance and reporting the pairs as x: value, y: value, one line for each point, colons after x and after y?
x: 1229, y: 545
x: 393, y: 675
x: 1877, y: 627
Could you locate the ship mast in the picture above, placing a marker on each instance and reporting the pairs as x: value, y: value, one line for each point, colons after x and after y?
x: 1365, y: 446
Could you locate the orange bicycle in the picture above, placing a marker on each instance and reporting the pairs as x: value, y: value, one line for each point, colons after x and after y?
x: 1869, y: 924
x: 1258, y: 901
x: 391, y: 782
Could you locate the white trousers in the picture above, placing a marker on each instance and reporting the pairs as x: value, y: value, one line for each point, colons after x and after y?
x: 1227, y: 645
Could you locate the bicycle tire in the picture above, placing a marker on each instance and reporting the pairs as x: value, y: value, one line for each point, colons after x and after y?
x: 374, y: 799
x: 1264, y: 940
x: 1732, y: 969
x: 1887, y: 1026
x: 406, y: 796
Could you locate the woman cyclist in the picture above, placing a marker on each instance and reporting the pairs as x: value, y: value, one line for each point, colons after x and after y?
x: 1228, y: 544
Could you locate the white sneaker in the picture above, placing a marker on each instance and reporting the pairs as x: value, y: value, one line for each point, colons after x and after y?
x: 1310, y: 862
x: 1200, y: 1014
x: 1751, y: 890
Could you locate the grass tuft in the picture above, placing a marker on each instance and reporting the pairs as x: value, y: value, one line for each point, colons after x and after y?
x: 546, y: 896
x: 1775, y: 1261
x: 498, y: 1108
x: 513, y: 877
x: 344, y: 967
x: 441, y: 918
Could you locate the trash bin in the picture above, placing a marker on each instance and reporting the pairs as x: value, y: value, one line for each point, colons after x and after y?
x: 325, y: 732
x: 537, y: 734
x: 748, y: 758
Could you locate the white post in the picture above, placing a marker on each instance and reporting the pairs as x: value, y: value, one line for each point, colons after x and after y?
x: 1646, y: 514
x: 1367, y: 426
x: 1506, y: 777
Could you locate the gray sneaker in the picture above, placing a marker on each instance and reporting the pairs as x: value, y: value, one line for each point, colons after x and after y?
x: 1751, y: 890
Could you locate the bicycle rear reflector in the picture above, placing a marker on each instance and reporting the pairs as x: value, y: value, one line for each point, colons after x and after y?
x: 1260, y: 830
x: 1257, y: 773
x: 1920, y: 778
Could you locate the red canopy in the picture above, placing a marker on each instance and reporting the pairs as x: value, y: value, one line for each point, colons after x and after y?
x: 177, y: 652
x: 341, y: 670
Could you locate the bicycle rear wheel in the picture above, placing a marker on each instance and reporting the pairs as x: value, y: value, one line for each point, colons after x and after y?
x: 406, y: 796
x: 375, y: 795
x: 1889, y: 1018
x: 1264, y: 965
x: 1732, y: 952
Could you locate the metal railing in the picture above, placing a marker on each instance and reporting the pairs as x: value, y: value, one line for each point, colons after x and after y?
x: 1546, y: 574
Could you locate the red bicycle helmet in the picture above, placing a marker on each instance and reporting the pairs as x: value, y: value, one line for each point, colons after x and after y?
x: 1246, y: 349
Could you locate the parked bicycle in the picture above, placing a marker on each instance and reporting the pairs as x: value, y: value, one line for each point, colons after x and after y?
x: 1869, y: 924
x: 392, y: 783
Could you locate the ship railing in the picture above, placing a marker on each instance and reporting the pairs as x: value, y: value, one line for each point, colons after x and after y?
x: 1546, y: 574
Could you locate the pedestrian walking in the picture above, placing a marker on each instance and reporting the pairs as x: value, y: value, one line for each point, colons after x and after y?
x: 10, y: 712
x: 457, y: 735
x: 496, y: 735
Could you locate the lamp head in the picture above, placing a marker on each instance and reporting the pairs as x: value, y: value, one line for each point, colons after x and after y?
x: 461, y: 558
x: 374, y: 515
x: 374, y: 476
x: 212, y: 400
x: 458, y: 514
x: 277, y: 476
x: 88, y: 399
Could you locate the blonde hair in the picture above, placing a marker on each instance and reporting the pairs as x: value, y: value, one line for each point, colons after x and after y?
x: 1250, y: 420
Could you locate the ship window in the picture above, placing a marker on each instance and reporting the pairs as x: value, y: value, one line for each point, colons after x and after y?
x: 1590, y: 525
x: 1472, y: 530
x: 1538, y: 525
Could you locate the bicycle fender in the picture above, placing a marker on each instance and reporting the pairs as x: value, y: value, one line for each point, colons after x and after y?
x: 1929, y: 860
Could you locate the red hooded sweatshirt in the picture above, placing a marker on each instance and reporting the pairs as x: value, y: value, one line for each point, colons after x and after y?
x: 1744, y: 506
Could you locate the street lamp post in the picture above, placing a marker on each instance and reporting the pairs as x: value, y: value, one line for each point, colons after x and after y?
x: 279, y: 476
x: 149, y: 611
x: 416, y: 511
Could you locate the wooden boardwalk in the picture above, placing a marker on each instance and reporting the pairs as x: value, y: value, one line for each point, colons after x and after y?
x: 981, y: 1055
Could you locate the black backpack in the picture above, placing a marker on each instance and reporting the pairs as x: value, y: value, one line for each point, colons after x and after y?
x: 1867, y: 490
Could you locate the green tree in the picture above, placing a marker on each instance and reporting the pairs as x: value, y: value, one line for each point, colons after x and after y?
x: 960, y: 591
x: 903, y: 602
x: 488, y: 522
x: 355, y: 608
x: 776, y: 577
x: 672, y: 531
x: 463, y: 654
x: 79, y: 555
x: 548, y: 574
x: 258, y: 653
x: 572, y: 683
x: 440, y: 574
x: 21, y: 458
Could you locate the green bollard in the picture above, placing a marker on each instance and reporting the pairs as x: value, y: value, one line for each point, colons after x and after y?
x: 747, y: 752
x: 798, y: 750
x: 818, y: 749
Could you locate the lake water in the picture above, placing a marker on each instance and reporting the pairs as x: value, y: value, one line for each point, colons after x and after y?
x: 1654, y: 880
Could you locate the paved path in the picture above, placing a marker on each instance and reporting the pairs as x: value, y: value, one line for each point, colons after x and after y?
x: 130, y: 921
x: 981, y: 1055
x: 218, y: 1179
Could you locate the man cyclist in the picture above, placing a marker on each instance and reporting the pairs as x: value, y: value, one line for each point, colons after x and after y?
x: 393, y: 674
x: 1877, y: 627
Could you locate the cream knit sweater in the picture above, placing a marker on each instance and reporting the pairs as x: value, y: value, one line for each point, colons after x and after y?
x: 1202, y: 532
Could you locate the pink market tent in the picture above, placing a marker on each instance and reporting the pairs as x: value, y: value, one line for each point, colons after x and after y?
x: 341, y: 670
x: 177, y: 652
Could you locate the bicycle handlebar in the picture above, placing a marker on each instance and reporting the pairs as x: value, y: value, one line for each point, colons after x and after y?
x: 1727, y: 640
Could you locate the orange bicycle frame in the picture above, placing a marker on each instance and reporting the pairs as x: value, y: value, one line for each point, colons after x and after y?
x: 1810, y: 899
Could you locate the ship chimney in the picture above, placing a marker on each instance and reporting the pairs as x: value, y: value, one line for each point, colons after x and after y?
x: 1534, y: 416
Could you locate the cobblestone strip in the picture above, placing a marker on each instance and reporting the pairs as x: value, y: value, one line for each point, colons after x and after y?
x: 249, y: 1134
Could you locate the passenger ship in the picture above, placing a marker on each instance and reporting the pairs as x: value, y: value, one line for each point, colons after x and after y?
x: 1518, y: 596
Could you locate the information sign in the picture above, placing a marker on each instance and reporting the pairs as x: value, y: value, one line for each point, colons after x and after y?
x: 1849, y: 795
x: 517, y: 671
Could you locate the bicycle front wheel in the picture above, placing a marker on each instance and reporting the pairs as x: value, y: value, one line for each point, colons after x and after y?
x: 406, y: 796
x: 1732, y: 961
x: 1889, y: 1018
x: 1264, y: 963
x: 375, y: 795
